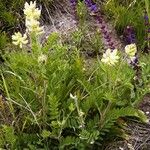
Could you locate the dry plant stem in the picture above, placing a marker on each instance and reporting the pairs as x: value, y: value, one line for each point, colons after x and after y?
x: 143, y: 143
x: 50, y: 18
x: 44, y: 104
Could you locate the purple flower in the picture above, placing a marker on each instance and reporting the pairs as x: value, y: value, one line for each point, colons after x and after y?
x: 129, y: 35
x: 99, y: 18
x: 106, y: 34
x: 73, y: 2
x: 137, y: 69
x: 91, y: 5
x: 134, y: 61
x: 146, y: 16
x: 93, y: 8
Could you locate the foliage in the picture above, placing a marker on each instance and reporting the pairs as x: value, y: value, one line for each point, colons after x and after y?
x: 3, y: 41
x: 145, y: 71
x: 52, y: 99
x: 85, y: 38
x: 147, y: 3
x: 127, y: 13
x: 42, y: 111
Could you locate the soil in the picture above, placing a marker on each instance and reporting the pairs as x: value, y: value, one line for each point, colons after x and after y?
x: 145, y: 105
x: 139, y: 133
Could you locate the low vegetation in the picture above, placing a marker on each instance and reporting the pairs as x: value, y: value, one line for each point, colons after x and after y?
x: 52, y: 99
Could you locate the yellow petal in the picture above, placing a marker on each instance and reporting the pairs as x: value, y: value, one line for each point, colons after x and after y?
x: 15, y: 42
x: 20, y: 45
x: 25, y: 41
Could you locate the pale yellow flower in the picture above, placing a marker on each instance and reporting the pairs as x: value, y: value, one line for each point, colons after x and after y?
x: 42, y: 58
x: 131, y: 50
x: 18, y: 39
x: 73, y: 97
x: 110, y: 57
x: 34, y: 26
x: 30, y: 11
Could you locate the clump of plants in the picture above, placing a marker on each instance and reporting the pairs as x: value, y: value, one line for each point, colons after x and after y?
x: 50, y: 99
x: 127, y: 13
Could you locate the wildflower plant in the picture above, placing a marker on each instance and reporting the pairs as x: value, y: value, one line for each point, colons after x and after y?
x: 54, y: 99
x: 32, y: 16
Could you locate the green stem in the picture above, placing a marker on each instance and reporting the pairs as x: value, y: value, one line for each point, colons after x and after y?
x: 104, y: 114
x: 44, y: 103
x: 36, y: 48
x: 79, y: 113
x: 147, y: 5
x: 8, y: 95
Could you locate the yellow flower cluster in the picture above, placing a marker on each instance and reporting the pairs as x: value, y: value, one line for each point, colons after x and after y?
x: 131, y: 50
x: 42, y: 58
x: 32, y: 16
x: 110, y: 57
x: 33, y: 26
x: 31, y: 12
x: 18, y: 39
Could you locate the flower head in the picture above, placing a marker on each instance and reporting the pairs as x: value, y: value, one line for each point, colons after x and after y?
x: 129, y: 35
x: 131, y: 50
x: 31, y: 11
x: 18, y: 39
x: 73, y: 2
x: 42, y: 58
x: 34, y: 26
x: 110, y: 57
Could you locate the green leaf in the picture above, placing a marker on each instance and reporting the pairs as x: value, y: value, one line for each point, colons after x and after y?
x: 45, y: 134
